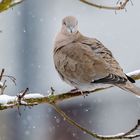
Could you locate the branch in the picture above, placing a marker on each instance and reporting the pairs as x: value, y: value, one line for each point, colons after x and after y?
x: 7, y: 101
x: 127, y: 135
x: 121, y: 5
x: 6, y: 4
x: 1, y: 75
x: 24, y: 99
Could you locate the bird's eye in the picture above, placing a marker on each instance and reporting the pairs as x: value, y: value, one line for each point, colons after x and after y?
x: 64, y: 23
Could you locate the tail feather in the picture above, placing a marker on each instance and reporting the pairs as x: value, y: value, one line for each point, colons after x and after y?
x: 130, y: 87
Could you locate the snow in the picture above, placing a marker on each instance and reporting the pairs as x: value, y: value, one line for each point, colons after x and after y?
x: 137, y: 96
x: 33, y: 95
x: 24, y: 30
x: 1, y: 84
x: 73, y: 134
x: 57, y: 120
x: 136, y: 72
x: 4, y: 99
x: 16, y: 1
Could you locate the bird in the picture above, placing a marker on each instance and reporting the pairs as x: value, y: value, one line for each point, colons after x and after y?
x: 85, y: 63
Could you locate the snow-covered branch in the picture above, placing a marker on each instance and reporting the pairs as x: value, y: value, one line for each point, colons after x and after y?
x: 7, y: 101
x: 6, y: 4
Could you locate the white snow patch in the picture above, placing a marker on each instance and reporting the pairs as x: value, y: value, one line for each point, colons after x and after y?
x: 120, y: 134
x: 16, y: 1
x: 33, y: 95
x: 4, y: 99
x: 136, y: 72
x: 1, y: 84
x: 137, y: 96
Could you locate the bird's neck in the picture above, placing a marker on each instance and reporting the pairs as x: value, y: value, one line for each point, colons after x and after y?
x: 62, y: 39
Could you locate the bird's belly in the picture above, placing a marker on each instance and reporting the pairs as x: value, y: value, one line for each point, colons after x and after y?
x: 78, y: 73
x: 86, y: 86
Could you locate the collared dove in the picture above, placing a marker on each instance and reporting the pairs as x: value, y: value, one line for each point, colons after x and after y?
x: 85, y: 63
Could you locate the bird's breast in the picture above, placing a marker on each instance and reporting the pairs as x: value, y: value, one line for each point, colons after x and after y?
x: 74, y: 64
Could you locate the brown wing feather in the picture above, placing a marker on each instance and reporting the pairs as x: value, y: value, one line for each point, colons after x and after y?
x: 77, y: 61
x: 106, y: 55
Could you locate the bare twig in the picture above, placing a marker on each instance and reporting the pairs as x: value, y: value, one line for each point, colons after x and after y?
x: 127, y: 135
x: 1, y: 75
x: 120, y: 6
x: 13, y: 79
x: 21, y: 102
x: 3, y: 87
x: 52, y: 91
x: 21, y: 95
x: 2, y: 84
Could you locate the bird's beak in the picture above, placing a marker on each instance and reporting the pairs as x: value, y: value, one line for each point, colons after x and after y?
x: 71, y: 29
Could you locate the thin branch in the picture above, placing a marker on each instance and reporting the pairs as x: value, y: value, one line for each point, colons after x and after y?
x: 13, y: 79
x: 21, y: 95
x: 3, y: 83
x: 6, y: 4
x: 133, y: 129
x: 127, y: 135
x: 121, y: 5
x: 1, y: 75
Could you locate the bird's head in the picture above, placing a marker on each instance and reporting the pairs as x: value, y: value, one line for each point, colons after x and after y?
x: 69, y: 25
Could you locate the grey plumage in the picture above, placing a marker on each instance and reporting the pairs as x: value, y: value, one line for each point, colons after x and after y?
x: 85, y: 62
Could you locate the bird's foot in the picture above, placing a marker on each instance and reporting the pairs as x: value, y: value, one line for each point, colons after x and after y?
x: 74, y: 90
x: 78, y: 90
x: 83, y: 93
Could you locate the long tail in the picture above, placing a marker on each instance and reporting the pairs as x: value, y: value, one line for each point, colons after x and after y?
x: 130, y: 87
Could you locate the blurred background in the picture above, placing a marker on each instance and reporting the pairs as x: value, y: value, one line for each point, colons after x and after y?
x: 26, y: 46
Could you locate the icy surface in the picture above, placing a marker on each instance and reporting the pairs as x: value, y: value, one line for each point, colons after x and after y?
x: 136, y: 72
x: 16, y: 1
x: 4, y: 99
x: 33, y: 95
x: 1, y: 84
